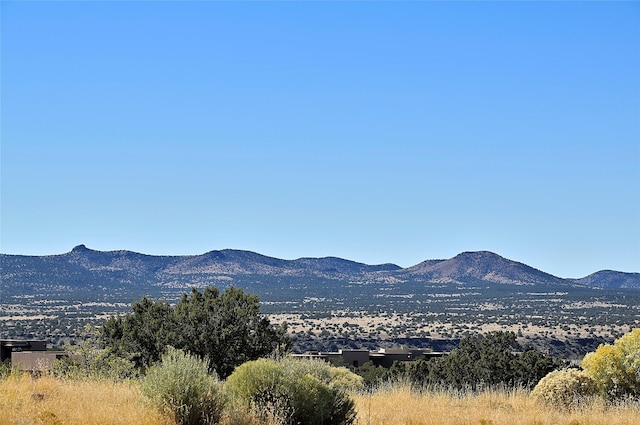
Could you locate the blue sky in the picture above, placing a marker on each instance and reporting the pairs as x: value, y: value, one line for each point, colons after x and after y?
x: 373, y: 131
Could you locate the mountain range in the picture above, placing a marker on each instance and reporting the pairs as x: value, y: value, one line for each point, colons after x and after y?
x: 86, y: 268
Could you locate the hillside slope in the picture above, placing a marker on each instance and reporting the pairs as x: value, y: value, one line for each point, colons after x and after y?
x: 481, y: 266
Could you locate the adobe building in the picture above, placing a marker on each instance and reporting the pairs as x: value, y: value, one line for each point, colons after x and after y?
x: 10, y: 346
x: 29, y: 355
x: 383, y: 357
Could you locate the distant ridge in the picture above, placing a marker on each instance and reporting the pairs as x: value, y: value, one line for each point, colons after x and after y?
x: 610, y: 279
x: 84, y: 267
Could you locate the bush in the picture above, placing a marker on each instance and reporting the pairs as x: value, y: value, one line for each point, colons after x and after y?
x: 336, y: 377
x: 479, y: 362
x: 299, y: 391
x: 565, y: 388
x: 373, y: 375
x: 341, y: 378
x: 616, y: 368
x: 5, y: 369
x: 88, y: 360
x: 182, y: 386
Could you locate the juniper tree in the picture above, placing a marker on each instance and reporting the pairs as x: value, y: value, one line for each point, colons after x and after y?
x: 225, y: 327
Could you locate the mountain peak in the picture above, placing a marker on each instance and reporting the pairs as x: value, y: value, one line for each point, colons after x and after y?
x: 481, y: 266
x: 478, y: 255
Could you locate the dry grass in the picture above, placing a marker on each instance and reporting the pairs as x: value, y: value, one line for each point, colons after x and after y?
x: 48, y: 401
x: 398, y: 405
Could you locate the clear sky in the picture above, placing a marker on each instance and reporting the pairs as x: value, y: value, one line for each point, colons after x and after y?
x: 373, y: 131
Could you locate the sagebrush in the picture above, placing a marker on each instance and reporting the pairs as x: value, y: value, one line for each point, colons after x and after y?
x: 299, y: 391
x: 181, y: 385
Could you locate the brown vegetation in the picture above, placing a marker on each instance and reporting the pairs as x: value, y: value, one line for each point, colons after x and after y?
x: 49, y: 401
x: 398, y: 405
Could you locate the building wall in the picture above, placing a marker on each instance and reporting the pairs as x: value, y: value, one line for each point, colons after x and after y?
x: 355, y: 358
x: 35, y: 361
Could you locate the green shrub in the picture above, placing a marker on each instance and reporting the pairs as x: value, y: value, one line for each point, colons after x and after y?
x: 565, y: 388
x: 95, y: 365
x: 5, y: 369
x: 182, y: 386
x: 300, y: 391
x: 340, y: 378
x: 491, y: 361
x: 88, y: 360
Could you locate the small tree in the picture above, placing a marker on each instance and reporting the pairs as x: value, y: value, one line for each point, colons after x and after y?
x: 143, y: 335
x: 616, y: 368
x: 227, y: 328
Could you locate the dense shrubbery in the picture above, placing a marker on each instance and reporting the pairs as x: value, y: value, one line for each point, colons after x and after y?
x: 612, y: 371
x: 298, y: 391
x: 374, y: 376
x: 182, y: 386
x: 565, y: 388
x: 616, y: 368
x: 492, y: 360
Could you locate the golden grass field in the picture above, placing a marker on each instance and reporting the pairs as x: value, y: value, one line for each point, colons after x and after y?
x: 49, y: 401
x: 400, y: 406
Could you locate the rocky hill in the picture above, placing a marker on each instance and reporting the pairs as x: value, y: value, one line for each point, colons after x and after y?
x: 482, y: 266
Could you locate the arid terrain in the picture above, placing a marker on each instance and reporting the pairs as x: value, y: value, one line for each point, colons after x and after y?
x: 330, y: 303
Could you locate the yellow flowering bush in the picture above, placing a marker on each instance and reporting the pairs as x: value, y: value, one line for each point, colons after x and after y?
x: 565, y: 388
x: 616, y: 368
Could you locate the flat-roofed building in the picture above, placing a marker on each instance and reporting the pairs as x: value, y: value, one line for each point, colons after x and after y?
x: 384, y: 357
x: 29, y: 355
x: 9, y: 346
